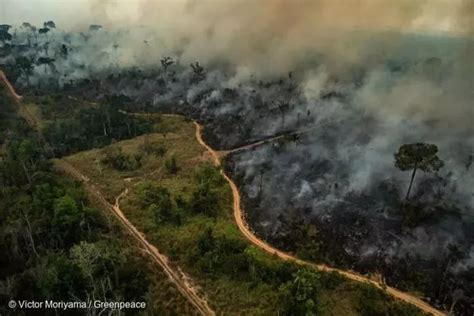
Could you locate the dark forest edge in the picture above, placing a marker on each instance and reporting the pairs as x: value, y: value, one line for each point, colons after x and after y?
x: 59, y: 228
x: 58, y: 244
x: 104, y: 125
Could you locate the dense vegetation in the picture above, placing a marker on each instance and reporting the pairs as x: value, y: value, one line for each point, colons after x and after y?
x: 55, y: 243
x: 218, y: 254
x: 71, y: 125
x: 58, y: 245
x: 251, y: 110
x: 186, y: 212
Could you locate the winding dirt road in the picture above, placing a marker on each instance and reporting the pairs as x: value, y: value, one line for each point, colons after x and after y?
x: 246, y: 231
x: 181, y: 281
x: 183, y: 286
x: 10, y: 88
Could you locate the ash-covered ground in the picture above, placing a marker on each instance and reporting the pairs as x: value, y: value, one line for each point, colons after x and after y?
x: 328, y: 189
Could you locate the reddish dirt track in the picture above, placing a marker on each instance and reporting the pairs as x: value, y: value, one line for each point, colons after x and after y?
x: 181, y: 281
x: 201, y: 304
x: 245, y: 230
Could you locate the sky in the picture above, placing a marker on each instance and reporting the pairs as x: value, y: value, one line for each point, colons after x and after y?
x: 432, y: 16
x: 66, y: 13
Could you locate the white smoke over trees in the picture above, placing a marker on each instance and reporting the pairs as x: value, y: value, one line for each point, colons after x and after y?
x: 368, y: 75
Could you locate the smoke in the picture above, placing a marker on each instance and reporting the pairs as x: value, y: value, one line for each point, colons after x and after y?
x: 273, y: 36
x: 366, y: 76
x: 268, y: 36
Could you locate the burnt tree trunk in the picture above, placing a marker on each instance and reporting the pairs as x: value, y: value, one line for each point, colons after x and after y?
x: 411, y: 182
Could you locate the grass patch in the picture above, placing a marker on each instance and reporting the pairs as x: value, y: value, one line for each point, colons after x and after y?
x: 188, y: 215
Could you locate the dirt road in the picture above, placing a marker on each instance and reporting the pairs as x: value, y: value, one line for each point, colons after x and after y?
x: 10, y: 88
x: 246, y: 231
x: 183, y: 286
x: 179, y: 279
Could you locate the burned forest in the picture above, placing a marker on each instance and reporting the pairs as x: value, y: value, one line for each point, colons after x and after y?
x: 351, y: 147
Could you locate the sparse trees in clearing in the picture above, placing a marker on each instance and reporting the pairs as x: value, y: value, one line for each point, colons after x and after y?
x: 152, y: 148
x: 159, y: 202
x: 417, y: 156
x: 117, y: 159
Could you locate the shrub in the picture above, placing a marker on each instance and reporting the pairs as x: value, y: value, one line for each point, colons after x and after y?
x: 171, y: 166
x: 300, y: 294
x: 118, y: 160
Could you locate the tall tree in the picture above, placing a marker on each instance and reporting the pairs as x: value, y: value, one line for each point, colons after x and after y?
x: 26, y: 66
x: 4, y: 35
x: 44, y: 31
x: 417, y: 156
x: 27, y: 26
x: 166, y: 62
x: 66, y: 211
x: 94, y: 27
x: 198, y: 72
x: 47, y: 62
x: 27, y: 155
x: 34, y: 30
x: 300, y: 294
x: 162, y: 206
x: 455, y: 254
x: 49, y: 25
x: 283, y: 106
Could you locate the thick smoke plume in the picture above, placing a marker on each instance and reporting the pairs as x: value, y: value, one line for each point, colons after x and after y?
x: 271, y: 36
x: 364, y: 76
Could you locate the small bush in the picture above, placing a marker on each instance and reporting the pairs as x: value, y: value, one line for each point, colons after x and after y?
x: 171, y: 165
x: 120, y: 161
